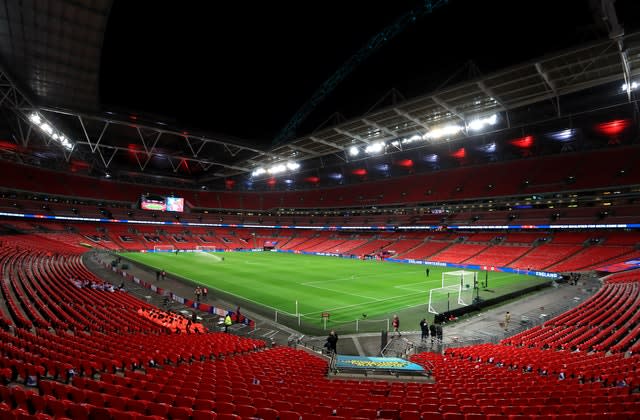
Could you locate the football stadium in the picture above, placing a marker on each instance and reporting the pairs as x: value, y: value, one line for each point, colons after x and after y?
x: 397, y: 232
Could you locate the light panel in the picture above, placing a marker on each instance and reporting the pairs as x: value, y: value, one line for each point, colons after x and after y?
x: 50, y: 131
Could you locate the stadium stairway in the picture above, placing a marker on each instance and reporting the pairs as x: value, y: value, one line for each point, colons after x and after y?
x: 514, y: 263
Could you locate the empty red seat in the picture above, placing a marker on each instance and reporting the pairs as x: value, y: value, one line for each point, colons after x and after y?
x: 225, y: 407
x: 409, y: 415
x: 368, y: 413
x: 228, y: 416
x: 79, y: 411
x: 266, y: 413
x: 431, y: 415
x: 203, y: 415
x: 289, y: 415
x: 180, y: 413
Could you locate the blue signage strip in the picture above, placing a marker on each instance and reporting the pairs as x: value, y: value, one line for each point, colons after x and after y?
x: 477, y: 267
x: 377, y: 363
x: 387, y: 228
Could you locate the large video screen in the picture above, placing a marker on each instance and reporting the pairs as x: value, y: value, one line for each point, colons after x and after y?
x: 156, y: 203
x: 174, y: 204
x: 161, y: 203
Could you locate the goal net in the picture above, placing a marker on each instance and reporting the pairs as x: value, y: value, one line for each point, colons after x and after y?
x: 164, y: 248
x: 457, y: 290
x: 205, y: 248
x: 459, y: 277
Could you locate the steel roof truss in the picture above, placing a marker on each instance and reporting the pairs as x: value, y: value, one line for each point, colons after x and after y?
x: 140, y: 164
x: 326, y: 143
x: 410, y: 118
x: 93, y: 146
x: 113, y: 153
x: 549, y: 84
x: 231, y: 152
x: 193, y: 151
x: 351, y: 136
x: 626, y: 68
x: 181, y: 161
x: 205, y: 165
x: 148, y: 150
x: 379, y: 127
x: 449, y: 108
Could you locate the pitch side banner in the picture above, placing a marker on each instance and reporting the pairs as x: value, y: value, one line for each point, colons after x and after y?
x: 478, y: 267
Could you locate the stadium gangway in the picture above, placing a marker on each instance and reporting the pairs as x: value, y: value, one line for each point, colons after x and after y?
x: 399, y: 346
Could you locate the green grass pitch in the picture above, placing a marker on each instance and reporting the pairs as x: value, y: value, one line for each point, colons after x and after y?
x: 345, y: 288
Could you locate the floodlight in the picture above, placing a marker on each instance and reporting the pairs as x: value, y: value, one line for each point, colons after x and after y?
x: 46, y: 128
x: 447, y: 130
x: 292, y: 166
x: 276, y: 169
x: 258, y: 172
x: 374, y: 147
x: 634, y: 86
x: 35, y: 118
x: 354, y: 151
x: 563, y: 135
x: 480, y: 123
x: 431, y: 158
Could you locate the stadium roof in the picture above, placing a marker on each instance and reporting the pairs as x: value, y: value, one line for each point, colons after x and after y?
x: 54, y: 49
x: 50, y: 54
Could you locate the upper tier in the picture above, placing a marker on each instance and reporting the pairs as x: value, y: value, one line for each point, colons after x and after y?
x: 558, y: 173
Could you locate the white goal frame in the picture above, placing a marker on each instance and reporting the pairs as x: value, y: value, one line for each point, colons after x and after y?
x: 205, y: 248
x: 464, y: 278
x: 458, y: 281
x: 164, y: 248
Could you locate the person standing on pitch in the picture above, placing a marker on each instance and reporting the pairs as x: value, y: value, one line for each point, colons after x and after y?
x: 396, y: 325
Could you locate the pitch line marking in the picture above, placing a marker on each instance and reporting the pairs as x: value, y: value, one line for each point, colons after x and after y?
x: 342, y: 292
x: 350, y: 277
x: 359, y: 304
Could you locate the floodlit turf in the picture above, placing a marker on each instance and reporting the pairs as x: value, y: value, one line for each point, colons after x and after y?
x: 345, y: 288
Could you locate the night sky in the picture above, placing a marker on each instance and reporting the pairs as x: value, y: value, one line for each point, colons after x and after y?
x: 243, y: 69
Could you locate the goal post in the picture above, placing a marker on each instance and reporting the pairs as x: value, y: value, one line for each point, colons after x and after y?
x: 164, y: 248
x: 440, y: 298
x: 205, y: 248
x: 463, y: 278
x: 457, y: 284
